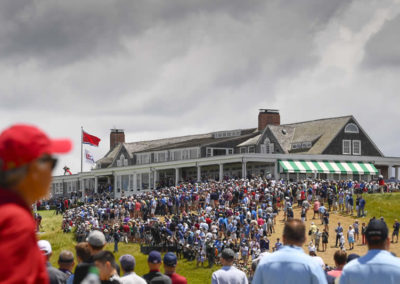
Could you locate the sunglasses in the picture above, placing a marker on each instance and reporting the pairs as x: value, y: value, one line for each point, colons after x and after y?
x: 48, y: 159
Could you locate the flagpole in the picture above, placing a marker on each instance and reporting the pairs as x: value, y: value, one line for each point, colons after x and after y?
x: 81, y: 148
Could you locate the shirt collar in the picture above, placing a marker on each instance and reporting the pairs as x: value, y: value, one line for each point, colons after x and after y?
x: 293, y: 247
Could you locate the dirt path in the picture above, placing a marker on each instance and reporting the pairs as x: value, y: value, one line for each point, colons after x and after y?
x: 345, y: 220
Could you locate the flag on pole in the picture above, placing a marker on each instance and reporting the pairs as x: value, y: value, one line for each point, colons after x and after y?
x: 90, y: 139
x: 89, y: 157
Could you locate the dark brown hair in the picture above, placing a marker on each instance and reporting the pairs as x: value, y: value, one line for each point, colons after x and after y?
x: 340, y: 257
x: 294, y: 231
x: 82, y: 251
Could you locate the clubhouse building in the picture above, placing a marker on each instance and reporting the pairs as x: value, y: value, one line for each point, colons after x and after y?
x: 330, y: 148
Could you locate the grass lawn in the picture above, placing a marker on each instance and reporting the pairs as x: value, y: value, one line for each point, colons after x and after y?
x: 52, y: 232
x: 386, y: 205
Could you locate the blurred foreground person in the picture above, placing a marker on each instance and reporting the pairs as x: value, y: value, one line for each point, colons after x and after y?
x: 170, y: 262
x: 105, y: 263
x: 155, y: 276
x: 26, y: 165
x: 66, y: 263
x: 378, y: 265
x: 56, y: 276
x: 96, y: 242
x: 290, y: 264
x: 228, y: 274
x: 128, y: 264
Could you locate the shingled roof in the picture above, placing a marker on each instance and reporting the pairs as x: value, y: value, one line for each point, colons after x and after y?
x: 170, y: 143
x: 321, y: 132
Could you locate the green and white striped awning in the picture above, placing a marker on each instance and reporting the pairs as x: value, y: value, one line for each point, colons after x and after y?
x: 327, y: 167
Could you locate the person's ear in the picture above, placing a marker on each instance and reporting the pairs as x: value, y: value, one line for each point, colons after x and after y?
x: 387, y: 243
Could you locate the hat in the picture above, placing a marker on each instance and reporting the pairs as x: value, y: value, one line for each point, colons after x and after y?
x: 21, y: 144
x: 154, y: 257
x: 128, y: 262
x: 96, y: 239
x: 228, y: 254
x: 170, y: 259
x: 376, y: 230
x: 45, y: 247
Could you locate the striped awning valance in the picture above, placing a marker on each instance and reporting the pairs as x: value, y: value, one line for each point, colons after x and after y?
x: 327, y: 167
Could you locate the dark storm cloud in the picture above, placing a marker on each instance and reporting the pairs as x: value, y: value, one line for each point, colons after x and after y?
x: 62, y: 32
x: 154, y: 57
x: 382, y: 50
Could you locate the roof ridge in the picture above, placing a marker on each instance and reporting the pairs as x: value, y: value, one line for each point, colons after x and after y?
x: 186, y: 136
x: 314, y: 120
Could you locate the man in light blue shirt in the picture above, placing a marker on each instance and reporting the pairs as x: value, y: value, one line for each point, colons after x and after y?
x: 228, y: 274
x: 378, y: 265
x: 290, y: 264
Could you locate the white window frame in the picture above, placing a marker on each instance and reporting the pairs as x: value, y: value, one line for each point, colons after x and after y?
x: 252, y: 149
x: 143, y: 158
x: 349, y: 125
x: 185, y: 154
x: 270, y: 148
x: 243, y: 150
x: 358, y: 153
x: 343, y: 147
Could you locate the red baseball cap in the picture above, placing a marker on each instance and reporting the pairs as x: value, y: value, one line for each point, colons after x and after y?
x: 21, y: 144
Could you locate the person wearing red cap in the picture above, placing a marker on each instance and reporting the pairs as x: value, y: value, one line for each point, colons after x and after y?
x: 26, y: 167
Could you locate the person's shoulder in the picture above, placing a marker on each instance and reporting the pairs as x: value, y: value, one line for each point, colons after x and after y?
x: 179, y: 279
x: 12, y: 213
x: 56, y: 275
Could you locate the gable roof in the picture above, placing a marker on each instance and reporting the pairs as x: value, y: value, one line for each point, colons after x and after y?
x: 321, y: 132
x: 170, y: 143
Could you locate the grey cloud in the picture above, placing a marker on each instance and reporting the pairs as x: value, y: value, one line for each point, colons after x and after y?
x: 382, y: 50
x: 170, y: 59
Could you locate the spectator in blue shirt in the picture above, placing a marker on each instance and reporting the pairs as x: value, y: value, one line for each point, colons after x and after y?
x: 290, y: 264
x: 378, y: 265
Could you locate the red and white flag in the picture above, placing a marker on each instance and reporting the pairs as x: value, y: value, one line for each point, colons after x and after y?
x: 90, y: 139
x: 89, y: 157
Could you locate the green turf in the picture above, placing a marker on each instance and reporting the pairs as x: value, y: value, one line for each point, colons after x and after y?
x: 386, y: 205
x: 51, y: 231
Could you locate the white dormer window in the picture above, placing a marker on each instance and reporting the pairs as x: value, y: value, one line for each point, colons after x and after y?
x: 356, y: 147
x: 351, y: 128
x: 346, y: 147
x: 122, y: 161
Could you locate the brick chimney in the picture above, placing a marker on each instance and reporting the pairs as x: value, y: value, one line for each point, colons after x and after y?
x: 268, y: 116
x: 116, y: 136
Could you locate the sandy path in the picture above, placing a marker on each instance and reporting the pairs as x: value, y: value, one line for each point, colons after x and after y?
x: 327, y: 256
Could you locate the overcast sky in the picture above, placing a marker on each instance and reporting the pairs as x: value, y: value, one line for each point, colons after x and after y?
x: 164, y: 68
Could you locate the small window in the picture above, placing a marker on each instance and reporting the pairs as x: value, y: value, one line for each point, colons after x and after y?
x: 346, y: 147
x: 270, y: 149
x: 209, y: 152
x: 306, y: 145
x: 351, y: 128
x: 230, y: 151
x: 193, y: 153
x: 243, y: 150
x: 252, y: 149
x: 296, y: 146
x: 356, y: 147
